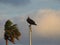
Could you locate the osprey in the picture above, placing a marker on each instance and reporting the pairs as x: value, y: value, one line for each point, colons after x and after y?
x: 30, y: 21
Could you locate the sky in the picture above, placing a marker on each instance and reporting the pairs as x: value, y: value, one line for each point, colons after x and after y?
x: 46, y: 14
x: 12, y: 8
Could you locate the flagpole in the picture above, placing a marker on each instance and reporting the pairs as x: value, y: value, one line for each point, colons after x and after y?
x: 30, y: 34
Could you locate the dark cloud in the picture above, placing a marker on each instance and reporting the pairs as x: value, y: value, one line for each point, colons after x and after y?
x: 15, y: 2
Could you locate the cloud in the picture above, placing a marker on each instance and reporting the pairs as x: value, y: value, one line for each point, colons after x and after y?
x: 47, y: 30
x: 15, y: 2
x: 48, y: 23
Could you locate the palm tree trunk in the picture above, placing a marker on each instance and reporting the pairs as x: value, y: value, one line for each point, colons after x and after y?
x: 6, y: 42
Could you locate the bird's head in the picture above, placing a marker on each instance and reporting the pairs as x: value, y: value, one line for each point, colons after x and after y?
x: 28, y: 17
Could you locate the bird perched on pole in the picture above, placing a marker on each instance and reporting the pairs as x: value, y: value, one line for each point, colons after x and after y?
x: 30, y: 21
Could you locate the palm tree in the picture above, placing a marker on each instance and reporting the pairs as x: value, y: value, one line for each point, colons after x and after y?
x: 11, y: 32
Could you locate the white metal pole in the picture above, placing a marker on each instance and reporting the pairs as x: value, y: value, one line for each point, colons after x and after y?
x: 30, y: 35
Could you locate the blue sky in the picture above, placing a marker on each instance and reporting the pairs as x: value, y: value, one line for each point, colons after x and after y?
x: 10, y: 8
x: 46, y: 13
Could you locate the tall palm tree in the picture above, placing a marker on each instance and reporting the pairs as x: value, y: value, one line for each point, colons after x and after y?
x: 11, y: 32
